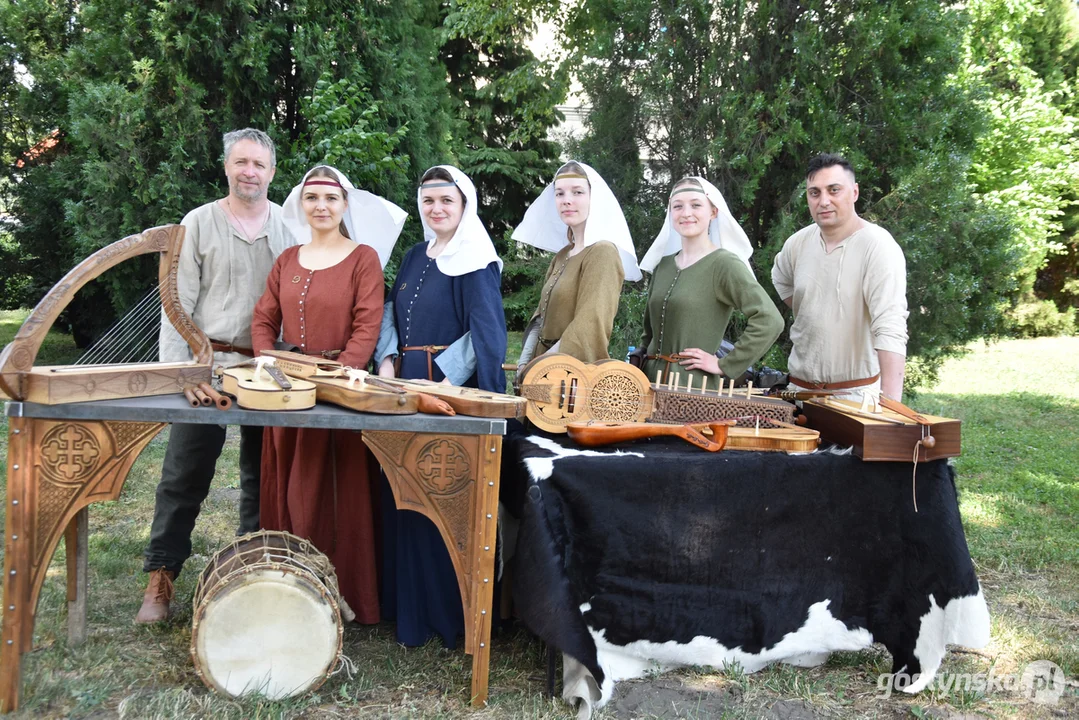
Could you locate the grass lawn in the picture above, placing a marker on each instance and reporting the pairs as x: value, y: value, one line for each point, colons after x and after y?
x: 1019, y: 494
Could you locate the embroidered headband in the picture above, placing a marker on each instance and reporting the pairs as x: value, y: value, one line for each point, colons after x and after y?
x: 437, y: 184
x: 689, y: 188
x: 322, y: 181
x: 570, y: 176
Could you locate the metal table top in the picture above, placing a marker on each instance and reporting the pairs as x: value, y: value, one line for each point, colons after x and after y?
x: 175, y: 409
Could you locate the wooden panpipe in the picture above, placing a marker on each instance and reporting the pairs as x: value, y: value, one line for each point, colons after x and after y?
x: 894, y: 433
x: 21, y: 380
x: 561, y: 389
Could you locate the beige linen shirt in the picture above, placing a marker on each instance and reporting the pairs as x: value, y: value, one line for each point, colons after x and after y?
x: 847, y: 304
x: 221, y: 276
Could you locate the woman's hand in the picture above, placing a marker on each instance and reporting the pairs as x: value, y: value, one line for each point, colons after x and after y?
x: 385, y: 368
x: 697, y: 359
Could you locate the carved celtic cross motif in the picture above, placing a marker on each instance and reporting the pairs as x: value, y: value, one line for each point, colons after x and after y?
x: 443, y: 465
x: 69, y: 452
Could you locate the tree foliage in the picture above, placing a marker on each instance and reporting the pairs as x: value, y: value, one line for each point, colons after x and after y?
x: 1025, y: 53
x: 505, y: 104
x: 745, y: 93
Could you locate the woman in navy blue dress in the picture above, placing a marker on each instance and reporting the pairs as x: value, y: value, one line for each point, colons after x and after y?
x: 443, y: 321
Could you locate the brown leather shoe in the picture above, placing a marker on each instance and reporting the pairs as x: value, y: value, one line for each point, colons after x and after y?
x: 155, y: 603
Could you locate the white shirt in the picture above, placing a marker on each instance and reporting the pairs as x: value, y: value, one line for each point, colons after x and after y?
x: 847, y: 304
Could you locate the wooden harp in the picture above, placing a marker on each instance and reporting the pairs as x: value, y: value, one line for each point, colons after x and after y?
x: 55, y: 384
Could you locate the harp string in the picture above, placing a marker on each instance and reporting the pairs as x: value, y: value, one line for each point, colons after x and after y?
x: 145, y: 341
x: 122, y: 342
x: 116, y: 342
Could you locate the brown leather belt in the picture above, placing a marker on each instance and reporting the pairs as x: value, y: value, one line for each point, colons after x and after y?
x: 430, y: 350
x: 669, y: 359
x: 844, y: 385
x: 230, y: 348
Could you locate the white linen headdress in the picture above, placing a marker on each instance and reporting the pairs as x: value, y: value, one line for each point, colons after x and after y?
x: 723, y: 231
x: 470, y: 248
x: 370, y: 219
x: 543, y: 228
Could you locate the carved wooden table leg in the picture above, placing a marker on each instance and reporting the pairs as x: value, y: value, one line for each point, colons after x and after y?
x: 76, y: 539
x: 453, y: 480
x: 55, y: 469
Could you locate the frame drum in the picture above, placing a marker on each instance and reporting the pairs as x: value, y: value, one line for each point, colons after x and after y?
x: 267, y: 617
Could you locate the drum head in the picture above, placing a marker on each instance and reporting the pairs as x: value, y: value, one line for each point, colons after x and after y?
x: 269, y: 632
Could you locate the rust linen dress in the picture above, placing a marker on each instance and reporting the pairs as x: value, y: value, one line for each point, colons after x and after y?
x: 316, y: 483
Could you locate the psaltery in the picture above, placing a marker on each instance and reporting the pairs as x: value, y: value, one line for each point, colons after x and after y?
x: 21, y: 380
x: 892, y: 432
x: 561, y: 389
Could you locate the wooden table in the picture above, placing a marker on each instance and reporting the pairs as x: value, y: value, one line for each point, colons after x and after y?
x: 62, y: 458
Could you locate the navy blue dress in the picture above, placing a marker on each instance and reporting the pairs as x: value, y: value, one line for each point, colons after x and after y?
x: 419, y: 586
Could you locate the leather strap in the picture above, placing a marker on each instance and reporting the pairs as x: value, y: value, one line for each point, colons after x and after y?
x: 230, y: 348
x: 672, y: 358
x: 844, y: 385
x: 430, y: 350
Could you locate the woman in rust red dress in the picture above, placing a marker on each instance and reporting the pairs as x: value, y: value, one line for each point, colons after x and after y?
x: 325, y: 297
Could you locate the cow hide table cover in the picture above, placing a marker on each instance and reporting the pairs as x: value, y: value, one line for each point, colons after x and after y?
x: 654, y: 555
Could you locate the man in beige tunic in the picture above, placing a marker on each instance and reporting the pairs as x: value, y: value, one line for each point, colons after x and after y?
x: 229, y: 247
x: 846, y: 280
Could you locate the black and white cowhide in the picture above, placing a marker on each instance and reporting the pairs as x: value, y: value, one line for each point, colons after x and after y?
x: 659, y: 555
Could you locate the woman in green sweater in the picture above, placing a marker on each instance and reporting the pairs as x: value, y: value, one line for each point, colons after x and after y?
x: 700, y: 274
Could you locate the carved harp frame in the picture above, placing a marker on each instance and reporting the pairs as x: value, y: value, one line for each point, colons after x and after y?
x: 21, y: 380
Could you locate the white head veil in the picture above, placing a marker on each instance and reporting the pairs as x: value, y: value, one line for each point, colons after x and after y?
x: 470, y: 248
x: 370, y: 220
x: 543, y: 228
x: 723, y: 231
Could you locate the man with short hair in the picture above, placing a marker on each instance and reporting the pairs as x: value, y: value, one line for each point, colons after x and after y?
x: 228, y: 250
x: 846, y: 280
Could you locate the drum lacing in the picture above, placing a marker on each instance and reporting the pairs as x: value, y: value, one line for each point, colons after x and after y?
x: 344, y: 662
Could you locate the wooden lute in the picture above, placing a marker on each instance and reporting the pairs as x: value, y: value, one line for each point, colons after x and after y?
x: 356, y: 390
x: 593, y: 434
x: 255, y: 389
x: 464, y: 401
x: 561, y: 389
x: 774, y: 436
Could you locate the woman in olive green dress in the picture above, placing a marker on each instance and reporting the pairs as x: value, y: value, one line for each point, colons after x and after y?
x: 579, y: 219
x: 700, y: 275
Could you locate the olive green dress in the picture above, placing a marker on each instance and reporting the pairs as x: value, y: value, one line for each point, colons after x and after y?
x: 579, y: 301
x: 690, y: 308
